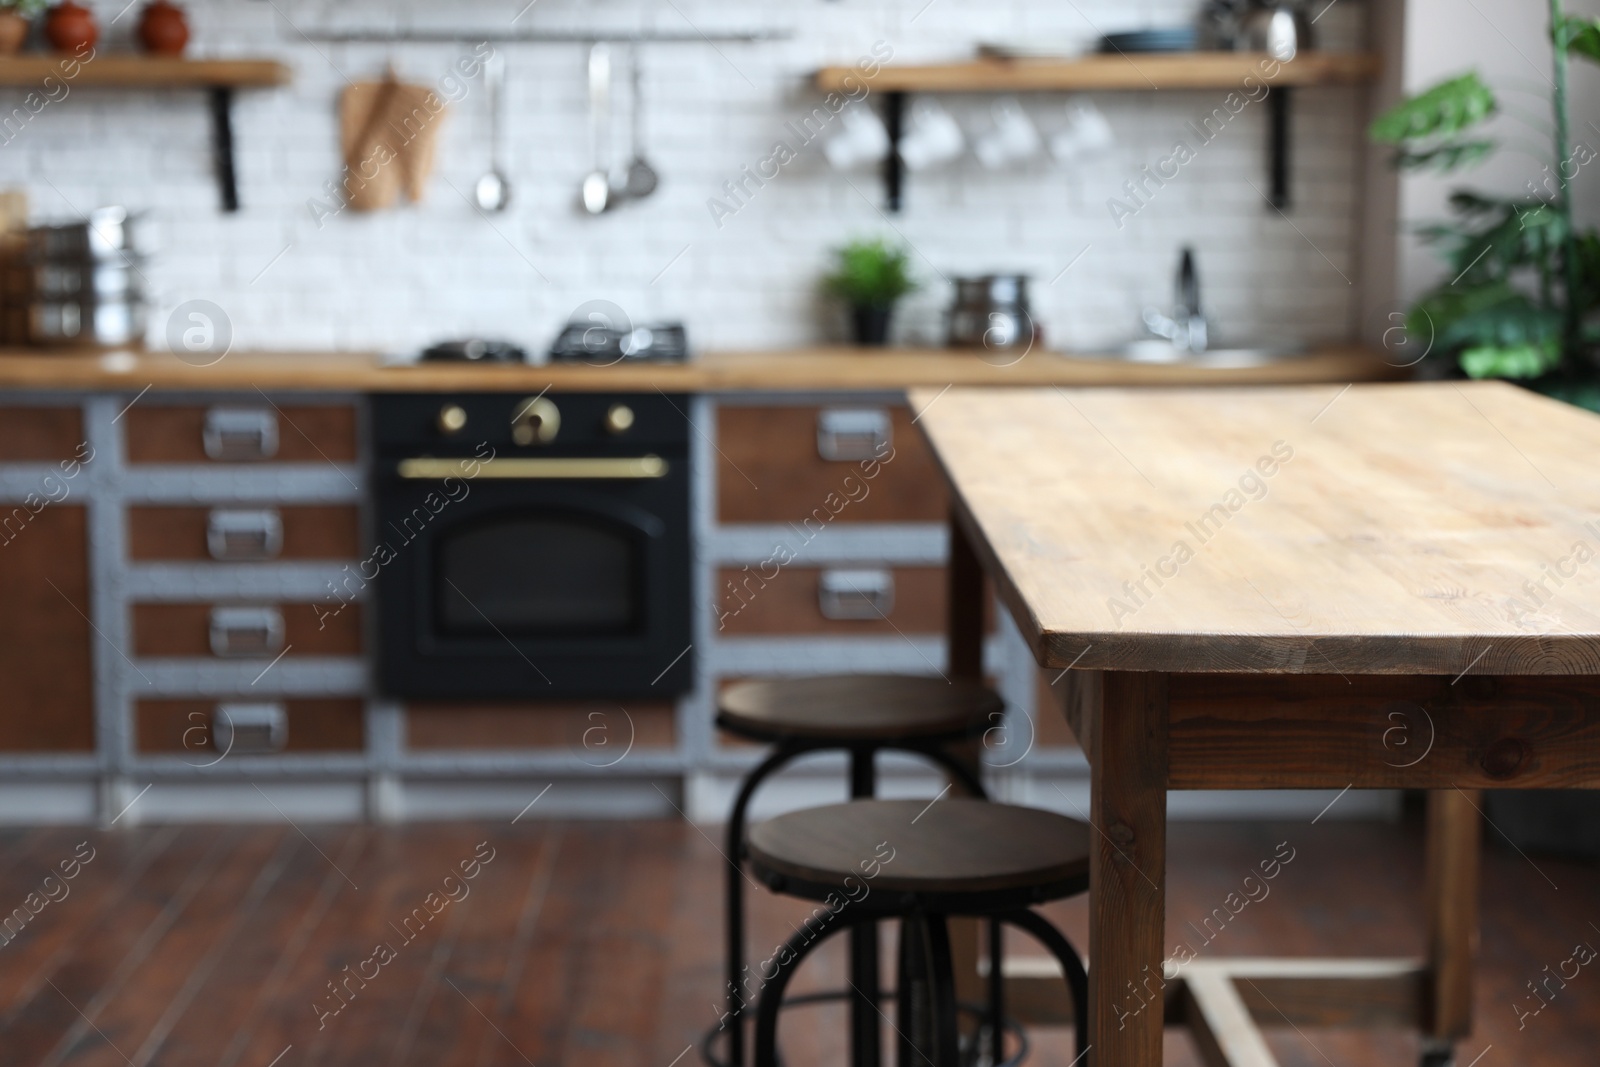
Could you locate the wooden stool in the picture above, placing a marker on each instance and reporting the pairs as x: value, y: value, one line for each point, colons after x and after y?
x: 921, y: 862
x: 861, y: 714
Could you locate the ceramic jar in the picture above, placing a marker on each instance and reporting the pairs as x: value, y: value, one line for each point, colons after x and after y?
x: 70, y: 27
x: 163, y: 29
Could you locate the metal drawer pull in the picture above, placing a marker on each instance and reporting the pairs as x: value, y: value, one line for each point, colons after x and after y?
x: 244, y: 535
x: 852, y: 433
x: 240, y: 433
x: 237, y: 632
x: 632, y: 467
x: 855, y: 594
x: 249, y: 729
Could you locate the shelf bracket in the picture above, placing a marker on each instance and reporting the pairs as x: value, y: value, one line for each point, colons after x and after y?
x: 1278, y: 102
x: 894, y: 116
x: 222, y: 146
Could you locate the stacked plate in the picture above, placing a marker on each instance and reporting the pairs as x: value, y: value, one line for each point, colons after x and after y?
x: 1172, y: 39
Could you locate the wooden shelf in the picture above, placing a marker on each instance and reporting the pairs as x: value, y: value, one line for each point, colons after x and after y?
x: 147, y: 72
x: 1144, y: 71
x: 129, y: 70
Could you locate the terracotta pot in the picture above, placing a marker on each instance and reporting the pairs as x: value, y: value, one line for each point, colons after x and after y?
x: 71, y: 28
x: 13, y: 32
x: 163, y: 29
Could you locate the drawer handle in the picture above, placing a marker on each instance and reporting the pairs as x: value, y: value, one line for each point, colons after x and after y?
x: 244, y: 632
x: 853, y: 433
x: 249, y: 729
x: 855, y: 594
x: 240, y: 433
x: 244, y: 535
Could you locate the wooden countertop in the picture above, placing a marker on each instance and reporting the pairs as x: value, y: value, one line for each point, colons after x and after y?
x: 819, y: 369
x: 1428, y: 528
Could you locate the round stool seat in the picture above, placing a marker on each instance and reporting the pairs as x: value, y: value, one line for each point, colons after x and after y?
x: 958, y: 854
x: 857, y: 707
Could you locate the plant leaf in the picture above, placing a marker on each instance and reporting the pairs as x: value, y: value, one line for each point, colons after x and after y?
x: 1510, y: 361
x: 1442, y: 111
x: 1580, y: 36
x: 1447, y: 156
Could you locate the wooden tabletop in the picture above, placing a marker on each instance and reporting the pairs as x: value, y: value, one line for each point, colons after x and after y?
x: 822, y: 368
x: 1379, y: 529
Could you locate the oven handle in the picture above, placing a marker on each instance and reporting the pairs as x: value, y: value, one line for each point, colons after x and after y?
x: 632, y: 468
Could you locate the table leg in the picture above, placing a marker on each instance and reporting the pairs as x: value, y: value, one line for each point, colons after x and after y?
x: 1454, y: 838
x: 1127, y: 870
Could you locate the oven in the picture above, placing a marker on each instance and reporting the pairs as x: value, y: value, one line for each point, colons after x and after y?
x: 531, y: 546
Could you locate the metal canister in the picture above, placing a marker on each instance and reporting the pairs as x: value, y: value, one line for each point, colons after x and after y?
x: 991, y: 311
x: 83, y: 282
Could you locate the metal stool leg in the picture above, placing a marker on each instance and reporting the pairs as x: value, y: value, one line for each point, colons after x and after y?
x: 866, y: 1038
x: 942, y: 984
x: 734, y: 905
x: 770, y: 1004
x: 1071, y: 966
x: 997, y: 992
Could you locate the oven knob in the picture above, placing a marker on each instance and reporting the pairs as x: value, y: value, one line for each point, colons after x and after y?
x: 619, y: 419
x: 535, y: 421
x: 452, y: 419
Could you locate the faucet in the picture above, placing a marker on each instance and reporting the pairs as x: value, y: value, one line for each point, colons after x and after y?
x: 1186, y: 326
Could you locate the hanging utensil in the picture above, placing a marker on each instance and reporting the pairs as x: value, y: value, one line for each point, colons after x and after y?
x: 597, y: 192
x: 641, y: 178
x: 493, y: 191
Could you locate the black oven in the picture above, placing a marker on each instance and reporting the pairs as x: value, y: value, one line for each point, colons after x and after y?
x: 532, y: 546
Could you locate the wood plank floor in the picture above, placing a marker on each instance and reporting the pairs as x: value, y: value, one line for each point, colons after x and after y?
x: 598, y: 944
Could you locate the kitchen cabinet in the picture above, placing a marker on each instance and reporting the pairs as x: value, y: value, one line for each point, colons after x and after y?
x: 245, y: 533
x: 187, y: 728
x: 241, y: 432
x: 46, y: 663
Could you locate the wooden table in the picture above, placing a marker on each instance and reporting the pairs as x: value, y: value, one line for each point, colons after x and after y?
x: 1368, y: 587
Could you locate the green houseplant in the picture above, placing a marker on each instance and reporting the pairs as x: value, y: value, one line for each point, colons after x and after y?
x: 870, y: 276
x: 1525, y: 281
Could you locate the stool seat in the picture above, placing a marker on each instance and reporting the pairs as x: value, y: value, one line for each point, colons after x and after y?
x: 857, y: 707
x: 959, y: 854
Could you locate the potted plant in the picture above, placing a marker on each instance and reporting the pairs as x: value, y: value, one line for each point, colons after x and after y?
x: 1525, y: 280
x: 16, y: 17
x: 870, y: 276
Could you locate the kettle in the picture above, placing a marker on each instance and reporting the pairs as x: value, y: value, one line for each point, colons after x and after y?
x: 1280, y: 29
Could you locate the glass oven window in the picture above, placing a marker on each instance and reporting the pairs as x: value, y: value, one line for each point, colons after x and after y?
x: 546, y: 574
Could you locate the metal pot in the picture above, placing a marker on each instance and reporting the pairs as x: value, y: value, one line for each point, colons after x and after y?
x: 112, y: 322
x: 108, y: 233
x: 84, y: 280
x: 991, y: 312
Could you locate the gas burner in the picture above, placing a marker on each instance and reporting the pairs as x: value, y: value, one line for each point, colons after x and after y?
x: 601, y: 346
x: 474, y: 350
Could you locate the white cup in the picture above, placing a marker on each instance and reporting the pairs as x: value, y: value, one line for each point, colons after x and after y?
x: 1012, y: 139
x: 1087, y: 133
x: 932, y: 137
x: 861, y: 140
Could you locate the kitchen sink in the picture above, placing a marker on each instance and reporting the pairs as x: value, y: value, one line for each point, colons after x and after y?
x: 1159, y: 350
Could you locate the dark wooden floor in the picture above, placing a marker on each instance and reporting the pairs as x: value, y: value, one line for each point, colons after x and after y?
x: 597, y: 944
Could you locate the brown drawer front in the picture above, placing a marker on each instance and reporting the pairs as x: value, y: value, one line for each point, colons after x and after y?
x: 819, y: 600
x: 246, y: 630
x: 186, y: 533
x: 243, y: 432
x: 46, y: 672
x: 597, y: 733
x: 32, y: 434
x: 183, y: 727
x: 770, y: 469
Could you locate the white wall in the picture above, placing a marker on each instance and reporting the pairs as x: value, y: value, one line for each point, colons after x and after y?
x: 398, y: 279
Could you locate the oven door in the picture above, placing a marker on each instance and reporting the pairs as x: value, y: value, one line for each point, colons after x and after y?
x: 534, y: 587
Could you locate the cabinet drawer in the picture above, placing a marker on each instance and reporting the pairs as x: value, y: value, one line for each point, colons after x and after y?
x: 771, y: 467
x: 243, y: 432
x: 30, y: 435
x: 311, y: 531
x: 184, y: 727
x: 246, y: 630
x: 835, y: 601
x: 596, y: 733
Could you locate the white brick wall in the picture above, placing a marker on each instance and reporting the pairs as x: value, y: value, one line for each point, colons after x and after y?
x: 398, y: 279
